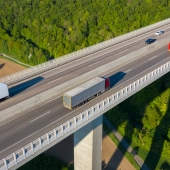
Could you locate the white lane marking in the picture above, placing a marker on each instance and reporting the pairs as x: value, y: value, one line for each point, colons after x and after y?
x: 36, y: 131
x: 127, y: 71
x: 74, y: 110
x: 123, y: 51
x: 39, y: 117
x: 92, y: 64
x: 97, y: 56
x: 139, y: 73
x: 127, y: 63
x: 54, y: 80
x: 29, y: 110
x: 61, y: 95
x: 52, y: 74
x: 153, y: 57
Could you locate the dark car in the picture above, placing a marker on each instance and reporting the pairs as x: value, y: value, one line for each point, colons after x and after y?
x: 150, y: 40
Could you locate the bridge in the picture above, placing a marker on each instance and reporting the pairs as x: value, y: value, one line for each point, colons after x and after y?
x: 33, y: 119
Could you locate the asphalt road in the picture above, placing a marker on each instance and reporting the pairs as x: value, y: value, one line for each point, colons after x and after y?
x: 38, y: 121
x: 66, y: 72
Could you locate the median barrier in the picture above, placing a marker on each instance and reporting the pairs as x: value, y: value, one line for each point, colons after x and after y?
x: 60, y: 89
x: 7, y: 113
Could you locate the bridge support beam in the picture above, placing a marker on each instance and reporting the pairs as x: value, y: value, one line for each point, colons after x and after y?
x: 88, y: 146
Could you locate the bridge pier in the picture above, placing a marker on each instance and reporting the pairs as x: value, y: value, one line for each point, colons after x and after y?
x: 88, y: 146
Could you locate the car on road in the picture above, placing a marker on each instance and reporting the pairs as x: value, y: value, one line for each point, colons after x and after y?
x: 159, y: 32
x: 150, y: 40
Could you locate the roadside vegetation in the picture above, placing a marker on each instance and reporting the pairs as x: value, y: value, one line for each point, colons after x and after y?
x: 43, y: 162
x: 34, y: 31
x: 144, y: 121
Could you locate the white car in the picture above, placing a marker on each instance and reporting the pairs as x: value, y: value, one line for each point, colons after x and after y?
x: 159, y: 32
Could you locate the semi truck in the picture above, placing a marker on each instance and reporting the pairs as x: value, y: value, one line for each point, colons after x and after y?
x: 85, y: 92
x: 169, y: 46
x: 4, y: 93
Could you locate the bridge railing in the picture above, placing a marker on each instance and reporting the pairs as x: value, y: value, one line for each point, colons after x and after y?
x: 21, y: 75
x: 82, y: 119
x: 52, y: 93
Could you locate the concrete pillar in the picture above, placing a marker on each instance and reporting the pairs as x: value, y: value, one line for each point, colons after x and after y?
x: 88, y: 146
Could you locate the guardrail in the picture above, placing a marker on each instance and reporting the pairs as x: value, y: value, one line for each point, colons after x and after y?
x: 58, y: 90
x: 21, y: 75
x: 69, y: 127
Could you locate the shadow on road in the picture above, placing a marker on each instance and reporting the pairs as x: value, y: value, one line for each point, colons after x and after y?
x: 23, y: 86
x: 114, y: 79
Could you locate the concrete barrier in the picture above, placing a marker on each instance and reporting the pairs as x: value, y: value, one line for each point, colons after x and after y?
x: 60, y: 89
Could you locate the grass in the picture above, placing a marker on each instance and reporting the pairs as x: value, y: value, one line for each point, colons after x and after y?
x: 13, y: 60
x: 120, y: 147
x: 143, y: 152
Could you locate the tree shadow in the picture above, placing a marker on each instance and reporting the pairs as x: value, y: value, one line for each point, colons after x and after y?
x: 165, y: 166
x: 23, y: 86
x: 2, y: 65
x: 136, y: 149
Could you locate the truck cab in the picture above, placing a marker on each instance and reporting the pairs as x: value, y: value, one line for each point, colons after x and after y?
x: 107, y: 82
x: 169, y: 47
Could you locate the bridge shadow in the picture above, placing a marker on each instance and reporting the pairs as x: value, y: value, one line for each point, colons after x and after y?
x: 23, y: 86
x: 65, y: 155
x: 159, y: 139
x: 133, y: 112
x: 114, y: 79
x: 2, y: 65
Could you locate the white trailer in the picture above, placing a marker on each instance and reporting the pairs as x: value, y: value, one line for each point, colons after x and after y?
x: 82, y: 93
x: 4, y: 93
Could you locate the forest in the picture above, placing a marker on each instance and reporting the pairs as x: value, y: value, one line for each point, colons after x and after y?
x: 35, y: 31
x: 144, y: 121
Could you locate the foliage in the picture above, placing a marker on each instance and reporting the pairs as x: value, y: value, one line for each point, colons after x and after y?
x: 39, y: 30
x: 45, y: 163
x: 143, y: 120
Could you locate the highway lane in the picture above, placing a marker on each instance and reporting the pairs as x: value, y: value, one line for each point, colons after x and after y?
x: 64, y: 73
x: 31, y: 125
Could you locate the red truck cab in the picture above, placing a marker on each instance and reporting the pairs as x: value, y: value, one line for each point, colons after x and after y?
x: 107, y: 82
x: 169, y: 47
